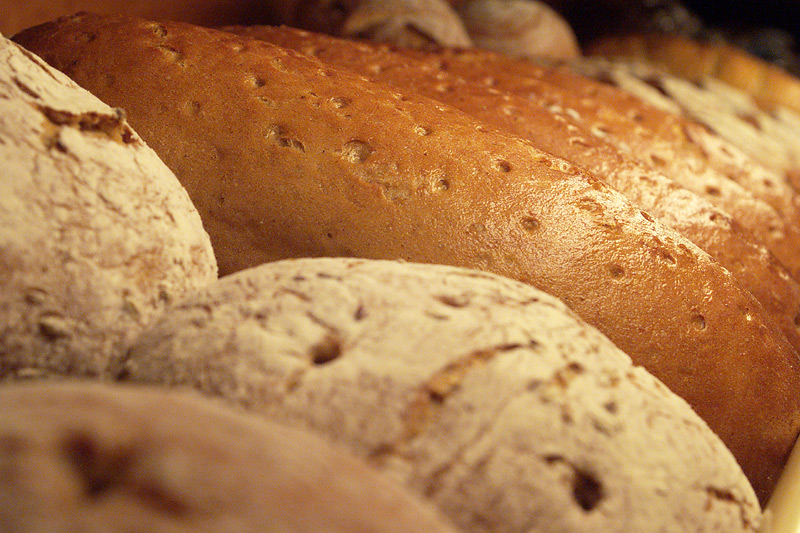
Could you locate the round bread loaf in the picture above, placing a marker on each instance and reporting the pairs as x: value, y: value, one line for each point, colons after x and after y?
x: 479, y: 392
x: 519, y: 28
x: 90, y: 457
x: 415, y: 23
x: 97, y: 234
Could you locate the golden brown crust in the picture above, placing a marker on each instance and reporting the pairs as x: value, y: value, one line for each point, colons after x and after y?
x: 730, y: 114
x: 667, y: 142
x: 560, y: 134
x: 21, y: 14
x: 283, y: 157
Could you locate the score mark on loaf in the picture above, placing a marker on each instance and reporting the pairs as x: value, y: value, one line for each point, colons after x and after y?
x: 287, y: 156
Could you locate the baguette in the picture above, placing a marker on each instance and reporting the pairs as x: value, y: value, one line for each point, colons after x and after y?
x: 97, y: 457
x: 561, y: 135
x: 97, y: 237
x: 502, y: 407
x: 282, y: 156
x: 667, y: 142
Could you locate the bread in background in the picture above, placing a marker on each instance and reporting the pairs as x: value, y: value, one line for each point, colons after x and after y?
x: 519, y: 28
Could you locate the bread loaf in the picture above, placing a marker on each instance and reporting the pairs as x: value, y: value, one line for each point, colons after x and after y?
x: 21, y: 14
x: 560, y: 134
x: 519, y: 28
x: 415, y: 23
x: 90, y: 457
x: 97, y: 234
x: 483, y: 394
x: 723, y: 109
x: 667, y: 142
x: 771, y: 86
x: 283, y: 158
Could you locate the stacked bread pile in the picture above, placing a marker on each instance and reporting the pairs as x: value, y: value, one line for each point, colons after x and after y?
x: 504, y: 296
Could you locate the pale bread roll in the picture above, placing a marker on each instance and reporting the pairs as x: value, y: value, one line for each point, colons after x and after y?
x: 97, y: 234
x: 96, y: 458
x: 479, y: 392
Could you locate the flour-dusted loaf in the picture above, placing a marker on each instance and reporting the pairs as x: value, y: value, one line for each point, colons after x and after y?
x: 481, y: 393
x: 560, y: 134
x: 286, y: 156
x: 416, y: 23
x: 89, y: 457
x: 96, y: 233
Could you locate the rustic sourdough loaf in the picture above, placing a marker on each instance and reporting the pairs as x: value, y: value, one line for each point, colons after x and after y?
x: 97, y: 234
x: 91, y: 457
x: 283, y: 157
x: 669, y: 143
x: 481, y: 393
x: 560, y: 134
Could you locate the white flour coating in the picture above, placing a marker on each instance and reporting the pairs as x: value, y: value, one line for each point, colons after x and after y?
x: 481, y: 393
x: 96, y: 234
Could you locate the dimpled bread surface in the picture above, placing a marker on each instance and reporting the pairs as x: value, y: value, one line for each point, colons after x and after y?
x: 558, y: 132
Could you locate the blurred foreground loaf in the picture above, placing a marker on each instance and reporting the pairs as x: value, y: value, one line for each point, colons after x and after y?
x: 97, y: 235
x: 282, y: 156
x: 483, y: 394
x: 89, y: 457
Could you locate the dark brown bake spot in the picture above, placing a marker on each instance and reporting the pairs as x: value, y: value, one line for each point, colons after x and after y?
x: 586, y: 489
x: 328, y: 349
x: 99, y: 470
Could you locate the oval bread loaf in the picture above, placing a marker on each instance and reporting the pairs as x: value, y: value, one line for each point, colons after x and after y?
x: 484, y: 394
x: 560, y: 134
x: 666, y: 142
x: 90, y: 457
x: 282, y: 156
x: 97, y: 234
